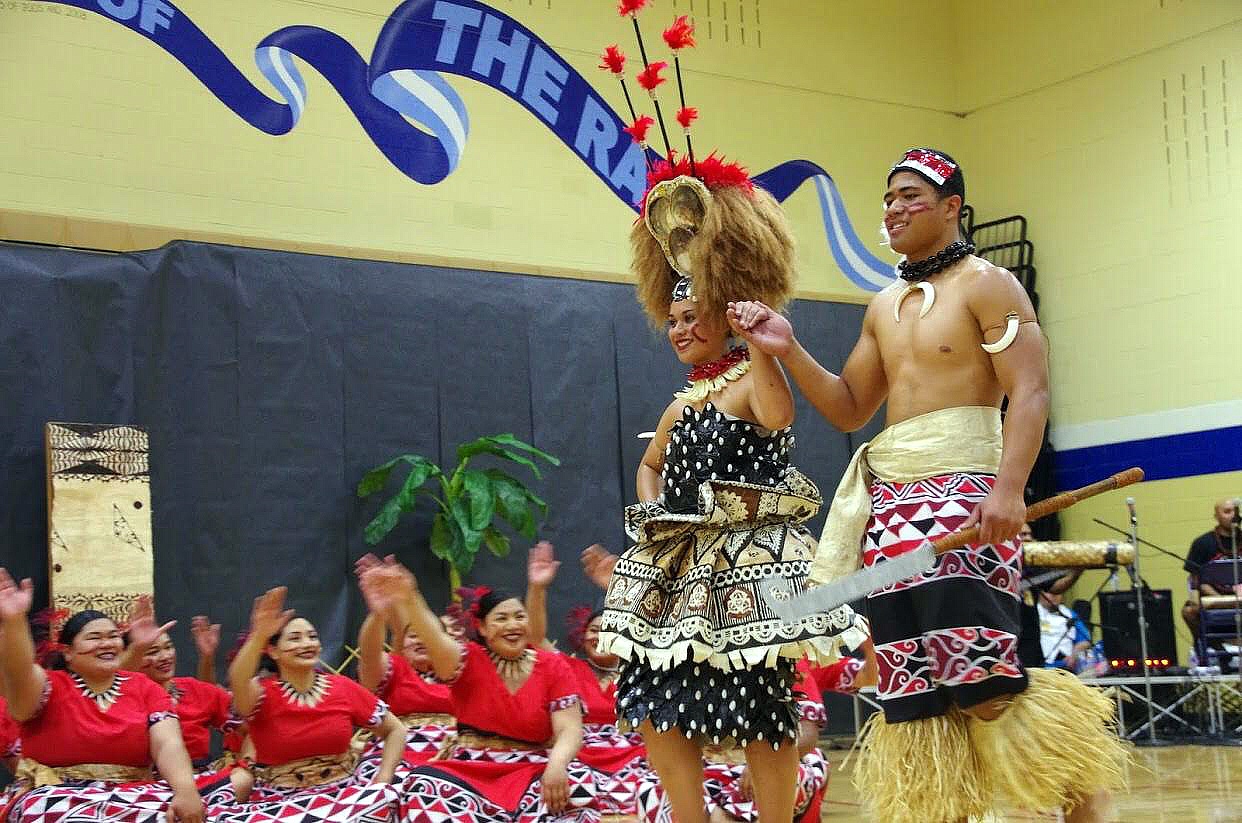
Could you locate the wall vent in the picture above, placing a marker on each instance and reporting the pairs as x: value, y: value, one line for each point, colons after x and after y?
x: 1198, y: 110
x: 736, y: 22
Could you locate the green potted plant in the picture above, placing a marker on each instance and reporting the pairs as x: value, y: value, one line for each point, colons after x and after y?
x: 470, y: 500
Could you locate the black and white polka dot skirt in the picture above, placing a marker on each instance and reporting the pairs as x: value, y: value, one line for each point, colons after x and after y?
x: 711, y: 705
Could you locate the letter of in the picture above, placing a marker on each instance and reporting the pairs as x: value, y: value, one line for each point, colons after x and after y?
x: 631, y: 172
x: 155, y: 14
x: 120, y: 9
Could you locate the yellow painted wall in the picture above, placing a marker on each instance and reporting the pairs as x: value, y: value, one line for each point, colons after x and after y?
x: 1134, y: 216
x: 119, y: 137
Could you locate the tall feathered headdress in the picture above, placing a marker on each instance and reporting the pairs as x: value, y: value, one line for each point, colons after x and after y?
x: 689, y: 196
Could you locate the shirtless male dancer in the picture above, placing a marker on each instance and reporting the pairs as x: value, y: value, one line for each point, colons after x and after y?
x: 964, y: 727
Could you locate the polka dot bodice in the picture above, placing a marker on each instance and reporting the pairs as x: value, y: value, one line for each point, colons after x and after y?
x: 711, y: 445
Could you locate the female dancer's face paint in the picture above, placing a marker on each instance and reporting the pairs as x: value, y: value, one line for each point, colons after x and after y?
x: 695, y: 339
x: 160, y: 661
x: 297, y: 646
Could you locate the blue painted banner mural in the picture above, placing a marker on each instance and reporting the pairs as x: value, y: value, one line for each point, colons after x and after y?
x: 420, y: 43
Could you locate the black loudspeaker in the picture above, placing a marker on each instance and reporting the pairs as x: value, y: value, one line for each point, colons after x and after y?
x: 1119, y: 622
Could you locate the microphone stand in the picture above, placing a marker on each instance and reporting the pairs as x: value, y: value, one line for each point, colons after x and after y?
x: 1138, y: 587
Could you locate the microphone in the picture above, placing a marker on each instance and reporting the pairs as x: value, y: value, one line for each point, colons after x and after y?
x: 1133, y: 512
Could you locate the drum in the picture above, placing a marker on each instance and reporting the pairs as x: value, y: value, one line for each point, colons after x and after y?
x: 1218, y: 601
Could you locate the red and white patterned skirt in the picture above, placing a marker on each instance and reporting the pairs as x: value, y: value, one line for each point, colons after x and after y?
x: 949, y: 635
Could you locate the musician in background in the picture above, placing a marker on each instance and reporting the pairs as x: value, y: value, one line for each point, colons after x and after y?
x: 1214, y: 545
x: 1063, y: 637
x: 1034, y: 581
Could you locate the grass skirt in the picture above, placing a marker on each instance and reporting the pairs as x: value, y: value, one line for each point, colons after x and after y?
x: 1053, y: 747
x: 921, y: 770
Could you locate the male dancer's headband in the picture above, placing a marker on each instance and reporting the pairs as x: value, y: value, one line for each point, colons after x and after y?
x: 936, y: 168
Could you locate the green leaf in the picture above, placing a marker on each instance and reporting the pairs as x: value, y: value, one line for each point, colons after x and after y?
x: 512, y: 442
x: 413, y: 486
x: 512, y: 501
x: 472, y: 538
x: 384, y: 522
x: 495, y: 445
x: 497, y: 543
x: 478, y: 489
x: 442, y: 537
x: 376, y: 478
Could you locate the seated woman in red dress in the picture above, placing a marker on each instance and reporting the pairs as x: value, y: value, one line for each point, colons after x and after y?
x: 618, y: 758
x: 519, y: 717
x: 10, y: 739
x: 200, y: 706
x: 301, y: 723
x: 406, y: 682
x: 90, y: 711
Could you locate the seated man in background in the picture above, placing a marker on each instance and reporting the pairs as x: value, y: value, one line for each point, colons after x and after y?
x: 1034, y: 580
x: 1063, y: 637
x: 1214, y: 545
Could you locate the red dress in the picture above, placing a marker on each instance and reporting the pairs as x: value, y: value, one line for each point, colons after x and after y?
x: 840, y: 676
x: 618, y: 758
x: 10, y: 734
x: 406, y: 691
x: 501, y: 784
x: 285, y: 728
x: 201, y: 707
x: 70, y: 728
x: 409, y: 693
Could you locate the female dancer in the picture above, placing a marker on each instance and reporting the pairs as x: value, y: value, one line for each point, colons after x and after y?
x: 519, y: 719
x: 720, y: 511
x: 301, y: 722
x: 200, y: 706
x: 10, y: 739
x: 728, y: 789
x: 405, y: 681
x: 89, y: 711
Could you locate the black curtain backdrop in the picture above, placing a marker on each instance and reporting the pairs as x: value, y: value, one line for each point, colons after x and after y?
x: 270, y: 382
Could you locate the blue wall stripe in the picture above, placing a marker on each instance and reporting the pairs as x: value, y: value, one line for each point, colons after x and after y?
x: 1162, y: 458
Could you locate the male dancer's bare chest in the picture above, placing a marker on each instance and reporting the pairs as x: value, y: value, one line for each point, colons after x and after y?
x: 934, y: 361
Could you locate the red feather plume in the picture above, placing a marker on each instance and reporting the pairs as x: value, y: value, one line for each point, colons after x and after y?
x: 639, y: 128
x: 625, y: 7
x: 712, y: 170
x: 650, y: 77
x: 687, y: 116
x: 680, y: 35
x: 613, y: 59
